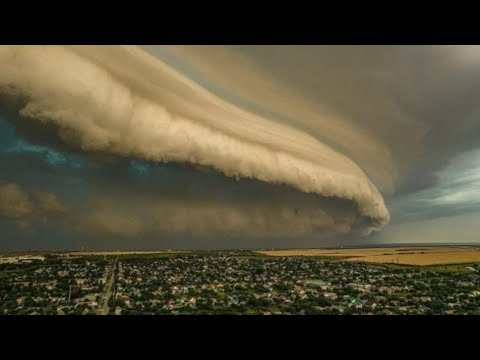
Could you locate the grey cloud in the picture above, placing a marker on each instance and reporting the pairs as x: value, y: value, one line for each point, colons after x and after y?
x: 450, y: 229
x: 256, y: 220
x: 14, y: 202
x: 455, y: 192
x: 175, y: 199
x: 185, y: 203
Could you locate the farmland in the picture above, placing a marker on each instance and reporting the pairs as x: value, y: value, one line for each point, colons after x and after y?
x: 435, y: 255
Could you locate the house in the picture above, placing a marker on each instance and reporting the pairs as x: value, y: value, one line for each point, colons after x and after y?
x: 21, y: 300
x: 356, y: 302
x: 332, y: 296
x: 80, y: 281
x: 157, y: 292
x: 91, y: 297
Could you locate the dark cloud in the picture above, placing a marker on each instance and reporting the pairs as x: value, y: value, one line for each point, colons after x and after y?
x: 142, y: 156
x: 148, y: 203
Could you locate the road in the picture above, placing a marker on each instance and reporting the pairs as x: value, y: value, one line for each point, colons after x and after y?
x: 108, y: 291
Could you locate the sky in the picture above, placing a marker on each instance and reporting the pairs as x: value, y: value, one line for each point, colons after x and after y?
x: 150, y: 147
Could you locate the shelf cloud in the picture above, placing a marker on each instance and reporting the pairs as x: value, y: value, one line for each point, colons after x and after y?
x: 124, y: 102
x: 300, y: 143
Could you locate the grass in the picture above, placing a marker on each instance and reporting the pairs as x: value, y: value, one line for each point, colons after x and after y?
x: 449, y: 268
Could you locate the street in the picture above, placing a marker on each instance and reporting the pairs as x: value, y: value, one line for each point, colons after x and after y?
x: 108, y: 291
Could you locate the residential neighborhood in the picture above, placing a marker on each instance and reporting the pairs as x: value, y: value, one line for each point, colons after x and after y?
x: 233, y: 283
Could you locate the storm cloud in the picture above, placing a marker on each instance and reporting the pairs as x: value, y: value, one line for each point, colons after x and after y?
x: 295, y: 143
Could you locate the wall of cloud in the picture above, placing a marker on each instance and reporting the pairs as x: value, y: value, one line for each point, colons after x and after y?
x: 123, y: 102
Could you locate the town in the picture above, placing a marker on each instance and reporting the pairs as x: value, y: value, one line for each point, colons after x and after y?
x: 231, y: 282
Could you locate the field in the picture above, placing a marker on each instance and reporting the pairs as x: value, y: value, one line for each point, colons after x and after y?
x: 399, y: 255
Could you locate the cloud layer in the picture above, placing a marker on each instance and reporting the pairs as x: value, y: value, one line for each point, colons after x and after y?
x: 135, y: 141
x: 124, y: 102
x: 400, y: 112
